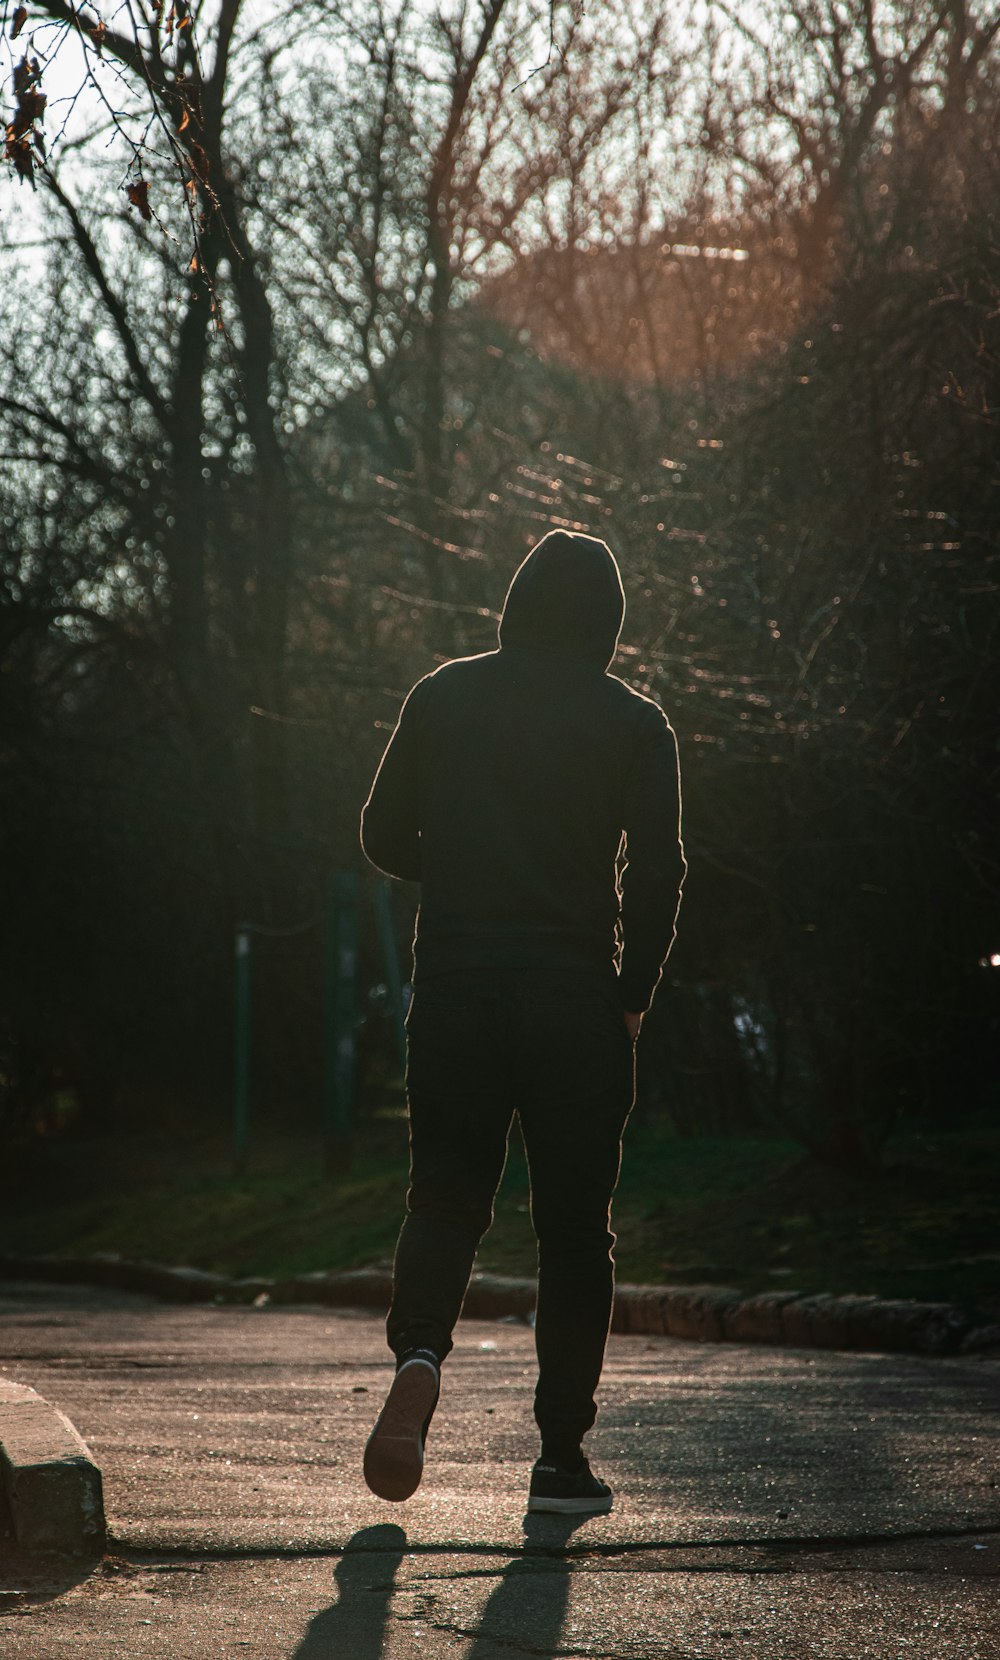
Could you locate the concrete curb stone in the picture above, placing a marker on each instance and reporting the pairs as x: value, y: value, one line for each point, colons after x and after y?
x: 357, y: 1288
x: 758, y: 1319
x: 704, y: 1313
x: 921, y: 1328
x: 492, y: 1296
x: 640, y: 1311
x: 816, y: 1323
x: 696, y: 1312
x: 638, y: 1308
x: 51, y: 1483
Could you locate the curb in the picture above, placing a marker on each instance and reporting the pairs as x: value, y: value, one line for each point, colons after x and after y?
x: 52, y: 1485
x: 703, y: 1313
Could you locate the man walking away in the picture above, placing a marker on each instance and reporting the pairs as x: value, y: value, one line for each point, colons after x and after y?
x: 511, y: 786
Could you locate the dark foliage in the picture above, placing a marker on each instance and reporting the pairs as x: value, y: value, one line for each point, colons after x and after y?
x: 450, y: 320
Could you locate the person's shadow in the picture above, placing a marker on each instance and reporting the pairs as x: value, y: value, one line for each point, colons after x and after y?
x: 366, y: 1578
x: 528, y: 1606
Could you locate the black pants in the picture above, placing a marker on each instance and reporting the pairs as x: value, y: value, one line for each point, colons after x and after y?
x: 554, y: 1049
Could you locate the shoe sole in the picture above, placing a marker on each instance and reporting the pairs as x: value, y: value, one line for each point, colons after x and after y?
x: 394, y: 1456
x: 572, y: 1507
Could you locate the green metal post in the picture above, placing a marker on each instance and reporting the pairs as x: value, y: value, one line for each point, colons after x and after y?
x: 241, y: 1055
x: 390, y: 967
x: 341, y: 995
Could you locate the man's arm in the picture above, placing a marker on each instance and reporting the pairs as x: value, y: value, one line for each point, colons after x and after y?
x: 654, y: 874
x: 390, y: 821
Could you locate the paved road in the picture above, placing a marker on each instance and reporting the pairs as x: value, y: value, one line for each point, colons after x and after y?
x: 770, y: 1504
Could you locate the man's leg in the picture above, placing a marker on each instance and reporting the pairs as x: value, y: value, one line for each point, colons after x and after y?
x: 460, y: 1115
x: 459, y: 1118
x: 573, y: 1114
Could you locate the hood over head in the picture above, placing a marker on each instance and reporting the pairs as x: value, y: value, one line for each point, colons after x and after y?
x: 566, y: 598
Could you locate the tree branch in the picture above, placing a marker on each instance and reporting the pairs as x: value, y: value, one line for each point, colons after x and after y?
x: 113, y: 305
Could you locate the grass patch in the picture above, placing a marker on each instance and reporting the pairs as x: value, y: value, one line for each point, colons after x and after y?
x: 752, y: 1213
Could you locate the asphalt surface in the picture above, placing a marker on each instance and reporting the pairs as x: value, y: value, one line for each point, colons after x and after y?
x: 769, y: 1503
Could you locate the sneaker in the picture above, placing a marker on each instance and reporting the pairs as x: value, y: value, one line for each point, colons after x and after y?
x: 394, y: 1456
x: 568, y: 1492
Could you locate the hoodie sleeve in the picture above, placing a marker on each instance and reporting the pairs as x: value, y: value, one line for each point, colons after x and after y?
x: 652, y: 878
x: 390, y: 820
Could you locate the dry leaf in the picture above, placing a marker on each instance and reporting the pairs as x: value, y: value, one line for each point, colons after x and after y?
x: 18, y: 21
x: 30, y: 108
x: 26, y: 74
x: 198, y: 163
x: 138, y: 195
x: 17, y: 150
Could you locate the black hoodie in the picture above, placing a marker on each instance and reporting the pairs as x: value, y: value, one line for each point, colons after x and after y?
x: 511, y: 780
